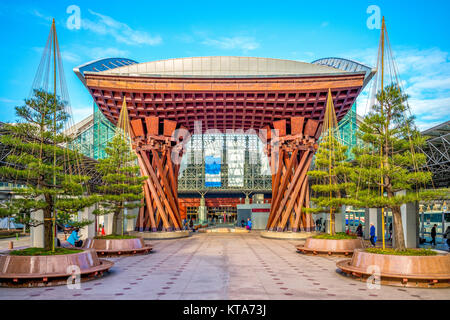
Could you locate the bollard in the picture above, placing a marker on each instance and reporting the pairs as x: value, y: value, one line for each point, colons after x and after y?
x: 11, y: 245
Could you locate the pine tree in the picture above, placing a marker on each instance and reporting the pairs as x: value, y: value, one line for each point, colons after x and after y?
x: 122, y: 184
x: 389, y: 161
x: 39, y: 162
x: 329, y: 177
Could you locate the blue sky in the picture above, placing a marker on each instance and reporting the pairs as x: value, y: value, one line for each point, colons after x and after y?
x: 298, y: 30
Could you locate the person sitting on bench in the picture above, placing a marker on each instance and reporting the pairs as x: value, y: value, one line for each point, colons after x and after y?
x: 74, y: 239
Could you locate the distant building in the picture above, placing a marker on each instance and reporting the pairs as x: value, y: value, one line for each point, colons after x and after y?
x: 91, y: 135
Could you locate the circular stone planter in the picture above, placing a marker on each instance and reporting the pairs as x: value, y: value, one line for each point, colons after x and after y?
x: 43, y: 271
x: 160, y: 235
x: 396, y: 270
x: 118, y: 247
x: 330, y: 246
x: 286, y: 235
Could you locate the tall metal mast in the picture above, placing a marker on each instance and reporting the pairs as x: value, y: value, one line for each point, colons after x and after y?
x: 54, y: 132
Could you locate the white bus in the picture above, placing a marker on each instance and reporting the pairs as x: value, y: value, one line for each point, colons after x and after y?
x: 430, y: 218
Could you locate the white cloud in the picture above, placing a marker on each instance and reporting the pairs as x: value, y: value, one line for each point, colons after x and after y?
x: 97, y: 53
x: 121, y: 32
x: 422, y: 126
x: 415, y: 59
x: 70, y: 56
x: 41, y: 15
x: 367, y: 56
x: 431, y: 109
x: 9, y: 101
x: 80, y: 53
x: 185, y: 38
x: 80, y: 113
x: 83, y: 53
x: 424, y: 75
x: 227, y: 43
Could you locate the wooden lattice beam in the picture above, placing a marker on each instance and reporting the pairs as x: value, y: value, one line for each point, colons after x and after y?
x: 153, y: 149
x: 290, y: 159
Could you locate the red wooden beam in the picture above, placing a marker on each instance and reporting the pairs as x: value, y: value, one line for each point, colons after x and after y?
x: 290, y: 190
x: 280, y: 125
x: 311, y: 128
x: 169, y: 127
x: 138, y: 128
x: 297, y: 125
x: 152, y: 124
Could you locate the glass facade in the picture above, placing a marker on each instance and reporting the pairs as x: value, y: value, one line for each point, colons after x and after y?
x: 347, y: 131
x: 103, y: 132
x: 92, y: 140
x: 434, y: 213
x: 224, y: 161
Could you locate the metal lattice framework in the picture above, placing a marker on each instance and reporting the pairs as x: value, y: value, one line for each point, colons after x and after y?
x: 243, y: 166
x: 347, y: 65
x: 437, y: 150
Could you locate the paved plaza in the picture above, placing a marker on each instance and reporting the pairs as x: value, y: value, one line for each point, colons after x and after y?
x: 232, y: 266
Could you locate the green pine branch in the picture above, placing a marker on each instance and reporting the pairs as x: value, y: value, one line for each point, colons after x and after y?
x: 122, y: 184
x: 36, y: 142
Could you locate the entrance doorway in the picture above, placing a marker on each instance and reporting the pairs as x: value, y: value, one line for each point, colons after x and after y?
x: 222, y: 216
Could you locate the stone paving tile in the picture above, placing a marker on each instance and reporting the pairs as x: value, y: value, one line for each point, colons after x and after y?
x: 224, y: 266
x: 21, y: 243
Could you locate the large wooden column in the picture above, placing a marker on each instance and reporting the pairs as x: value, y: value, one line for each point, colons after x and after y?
x: 290, y: 157
x: 154, y: 153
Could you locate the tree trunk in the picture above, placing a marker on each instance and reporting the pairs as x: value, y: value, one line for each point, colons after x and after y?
x: 116, y: 220
x: 48, y: 232
x: 121, y: 221
x: 398, y: 229
x: 114, y: 224
x: 332, y: 224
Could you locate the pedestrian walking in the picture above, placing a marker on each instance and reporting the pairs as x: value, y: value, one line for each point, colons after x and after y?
x: 249, y: 224
x: 318, y: 224
x: 433, y: 235
x: 390, y: 231
x: 372, y: 235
